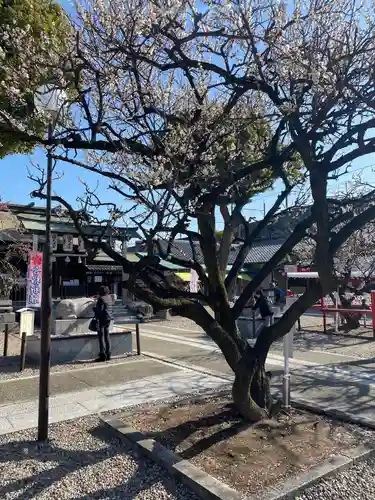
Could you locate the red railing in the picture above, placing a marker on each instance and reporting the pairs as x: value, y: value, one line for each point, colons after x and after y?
x: 327, y: 310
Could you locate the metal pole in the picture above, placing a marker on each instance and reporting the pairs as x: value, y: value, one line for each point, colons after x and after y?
x: 373, y: 311
x: 288, y: 340
x: 23, y: 352
x: 323, y: 314
x: 336, y: 313
x: 138, y: 339
x: 46, y: 311
x: 6, y: 338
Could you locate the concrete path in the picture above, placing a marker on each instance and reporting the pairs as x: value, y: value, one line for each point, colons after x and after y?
x: 70, y: 405
x: 340, y: 382
x: 183, y: 361
x: 97, y: 375
x: 194, y: 347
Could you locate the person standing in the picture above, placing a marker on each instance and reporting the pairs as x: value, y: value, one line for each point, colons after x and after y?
x: 262, y: 304
x: 103, y: 315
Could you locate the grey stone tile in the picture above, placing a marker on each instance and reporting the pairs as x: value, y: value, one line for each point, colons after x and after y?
x: 5, y: 426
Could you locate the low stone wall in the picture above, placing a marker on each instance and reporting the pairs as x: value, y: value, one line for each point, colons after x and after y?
x: 82, y: 347
x: 165, y: 314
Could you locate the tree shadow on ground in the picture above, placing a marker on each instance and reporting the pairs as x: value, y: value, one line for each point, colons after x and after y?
x: 330, y: 391
x: 173, y: 437
x: 54, y: 465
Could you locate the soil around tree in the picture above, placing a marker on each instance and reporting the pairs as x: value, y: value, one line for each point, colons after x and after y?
x: 247, y: 457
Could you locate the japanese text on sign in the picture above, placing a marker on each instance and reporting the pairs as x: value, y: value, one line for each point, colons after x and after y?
x: 34, y: 280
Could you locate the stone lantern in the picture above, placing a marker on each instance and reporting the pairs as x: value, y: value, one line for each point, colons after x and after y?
x: 7, y: 316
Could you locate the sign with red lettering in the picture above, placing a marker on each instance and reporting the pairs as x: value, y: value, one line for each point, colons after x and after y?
x: 34, y: 280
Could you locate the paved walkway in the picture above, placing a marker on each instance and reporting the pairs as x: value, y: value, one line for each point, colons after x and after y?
x: 70, y: 405
x: 97, y: 375
x: 181, y: 362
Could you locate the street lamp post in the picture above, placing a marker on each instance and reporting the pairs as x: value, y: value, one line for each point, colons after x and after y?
x: 46, y: 310
x: 49, y: 101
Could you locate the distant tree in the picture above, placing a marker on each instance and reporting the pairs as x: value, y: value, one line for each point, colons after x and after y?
x: 12, y: 251
x: 32, y: 38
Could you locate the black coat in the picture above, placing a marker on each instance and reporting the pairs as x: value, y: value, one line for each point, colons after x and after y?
x: 103, y: 310
x: 263, y: 306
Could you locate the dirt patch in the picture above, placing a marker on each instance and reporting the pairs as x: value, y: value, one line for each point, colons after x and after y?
x: 249, y: 458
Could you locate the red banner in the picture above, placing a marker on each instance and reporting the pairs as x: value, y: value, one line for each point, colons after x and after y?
x: 34, y: 280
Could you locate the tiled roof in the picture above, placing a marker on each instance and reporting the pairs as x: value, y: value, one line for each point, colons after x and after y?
x: 102, y: 268
x: 260, y: 252
x: 182, y: 249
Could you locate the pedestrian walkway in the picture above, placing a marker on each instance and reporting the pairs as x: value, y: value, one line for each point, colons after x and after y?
x: 97, y: 375
x: 200, y: 350
x: 176, y: 366
x: 70, y: 405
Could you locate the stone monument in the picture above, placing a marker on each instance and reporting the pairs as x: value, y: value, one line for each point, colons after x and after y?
x: 73, y: 316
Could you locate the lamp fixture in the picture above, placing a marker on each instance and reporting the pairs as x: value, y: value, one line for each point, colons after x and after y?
x: 67, y: 259
x: 79, y: 260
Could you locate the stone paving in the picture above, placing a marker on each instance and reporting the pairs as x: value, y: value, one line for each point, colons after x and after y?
x: 98, y: 375
x: 184, y: 360
x: 70, y: 405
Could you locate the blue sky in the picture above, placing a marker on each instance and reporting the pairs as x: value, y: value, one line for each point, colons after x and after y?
x: 16, y: 187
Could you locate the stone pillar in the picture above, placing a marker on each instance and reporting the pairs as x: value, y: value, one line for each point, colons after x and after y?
x: 7, y: 316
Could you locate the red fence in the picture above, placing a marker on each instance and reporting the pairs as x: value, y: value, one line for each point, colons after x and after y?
x: 327, y: 310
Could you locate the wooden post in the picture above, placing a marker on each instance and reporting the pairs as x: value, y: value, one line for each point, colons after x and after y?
x: 23, y: 351
x: 6, y: 338
x: 138, y: 339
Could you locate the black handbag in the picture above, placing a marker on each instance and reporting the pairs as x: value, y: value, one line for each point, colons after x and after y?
x: 94, y: 325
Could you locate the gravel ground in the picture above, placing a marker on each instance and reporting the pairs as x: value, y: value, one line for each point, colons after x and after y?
x: 9, y: 366
x: 355, y: 483
x: 82, y: 461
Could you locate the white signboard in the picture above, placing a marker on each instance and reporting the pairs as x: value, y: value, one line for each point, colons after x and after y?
x: 54, y: 242
x: 81, y: 244
x: 71, y: 283
x: 68, y: 243
x: 193, y: 281
x: 26, y: 321
x: 290, y: 269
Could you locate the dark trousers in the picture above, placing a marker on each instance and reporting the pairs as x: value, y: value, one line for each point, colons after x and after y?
x: 103, y: 336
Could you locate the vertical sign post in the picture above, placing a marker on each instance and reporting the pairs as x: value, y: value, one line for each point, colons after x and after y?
x: 323, y: 315
x: 288, y: 353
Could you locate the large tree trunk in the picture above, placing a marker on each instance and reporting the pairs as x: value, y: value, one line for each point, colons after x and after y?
x: 251, y: 391
x: 251, y: 387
